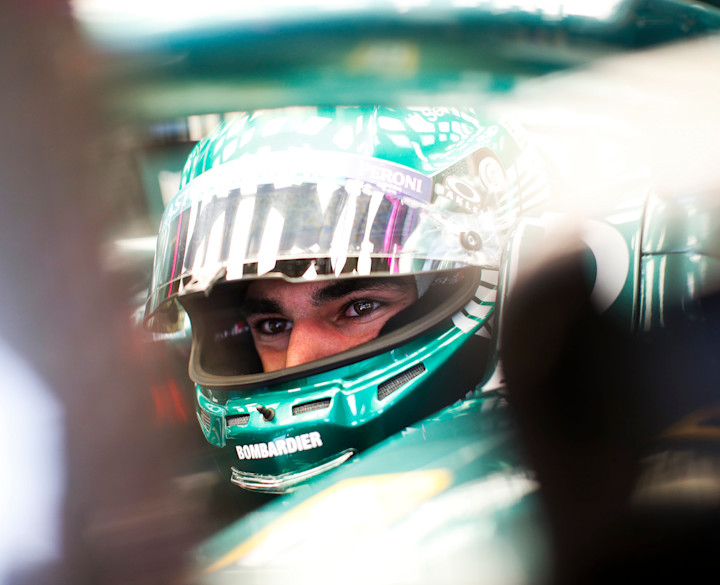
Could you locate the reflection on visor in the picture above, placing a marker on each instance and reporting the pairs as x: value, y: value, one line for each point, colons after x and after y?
x: 234, y: 331
x: 249, y: 233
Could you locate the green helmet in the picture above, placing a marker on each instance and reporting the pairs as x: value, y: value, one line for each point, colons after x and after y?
x: 373, y: 195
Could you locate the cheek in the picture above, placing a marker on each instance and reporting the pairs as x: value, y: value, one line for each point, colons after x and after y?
x: 271, y: 360
x: 363, y: 332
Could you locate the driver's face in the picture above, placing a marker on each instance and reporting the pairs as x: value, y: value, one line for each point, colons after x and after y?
x: 295, y: 323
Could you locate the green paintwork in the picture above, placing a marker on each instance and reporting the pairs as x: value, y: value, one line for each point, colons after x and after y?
x: 243, y: 58
x: 612, y: 252
x: 427, y: 140
x: 479, y: 497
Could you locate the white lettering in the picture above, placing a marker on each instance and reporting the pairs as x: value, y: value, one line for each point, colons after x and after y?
x: 315, y: 440
x: 299, y: 442
x: 286, y: 446
x: 385, y: 177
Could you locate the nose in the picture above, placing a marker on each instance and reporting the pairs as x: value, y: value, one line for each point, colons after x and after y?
x: 309, y: 342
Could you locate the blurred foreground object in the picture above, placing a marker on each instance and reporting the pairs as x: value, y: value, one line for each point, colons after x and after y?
x: 30, y: 530
x: 619, y: 426
x: 173, y: 59
x: 109, y: 463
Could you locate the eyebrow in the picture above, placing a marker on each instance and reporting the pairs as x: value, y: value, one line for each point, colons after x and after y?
x: 341, y: 288
x: 333, y: 291
x: 261, y: 306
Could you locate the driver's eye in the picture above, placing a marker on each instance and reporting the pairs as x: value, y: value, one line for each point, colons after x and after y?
x: 360, y: 308
x: 274, y: 326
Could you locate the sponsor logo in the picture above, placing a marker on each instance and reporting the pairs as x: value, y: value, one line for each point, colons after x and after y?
x: 391, y: 176
x: 461, y: 193
x: 278, y: 447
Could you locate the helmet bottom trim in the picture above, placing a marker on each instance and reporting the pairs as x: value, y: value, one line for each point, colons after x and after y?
x: 280, y: 484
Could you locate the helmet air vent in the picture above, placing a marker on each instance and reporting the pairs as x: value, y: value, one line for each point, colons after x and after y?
x: 389, y: 386
x: 204, y: 419
x: 311, y: 406
x: 237, y: 420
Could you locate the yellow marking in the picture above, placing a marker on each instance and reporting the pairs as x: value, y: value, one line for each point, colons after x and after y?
x: 362, y: 503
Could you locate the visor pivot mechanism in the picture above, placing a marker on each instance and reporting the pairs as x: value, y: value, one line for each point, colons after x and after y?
x: 268, y: 413
x: 471, y: 241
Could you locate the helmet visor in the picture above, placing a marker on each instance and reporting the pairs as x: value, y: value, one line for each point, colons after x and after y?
x: 325, y: 216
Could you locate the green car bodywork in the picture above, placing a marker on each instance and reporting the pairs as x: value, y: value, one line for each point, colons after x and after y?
x: 221, y: 58
x: 444, y: 501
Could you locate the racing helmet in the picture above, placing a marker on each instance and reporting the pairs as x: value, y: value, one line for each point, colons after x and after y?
x: 307, y: 195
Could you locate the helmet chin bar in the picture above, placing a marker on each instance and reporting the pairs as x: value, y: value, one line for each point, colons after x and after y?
x: 281, y: 484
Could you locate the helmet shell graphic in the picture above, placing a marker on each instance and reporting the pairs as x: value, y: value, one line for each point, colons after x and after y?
x: 312, y: 194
